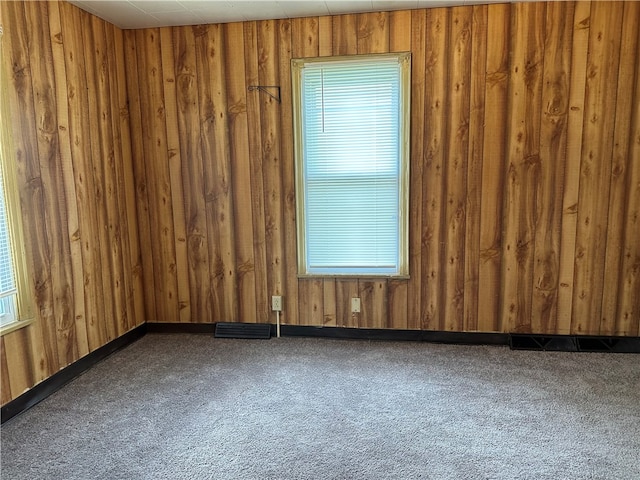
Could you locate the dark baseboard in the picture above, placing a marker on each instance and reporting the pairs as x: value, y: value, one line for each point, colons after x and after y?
x: 154, y: 327
x: 557, y: 343
x: 45, y: 388
x: 575, y: 343
x: 466, y: 338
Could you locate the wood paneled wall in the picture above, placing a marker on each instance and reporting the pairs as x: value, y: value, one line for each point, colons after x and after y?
x: 156, y: 187
x: 71, y: 137
x: 525, y: 169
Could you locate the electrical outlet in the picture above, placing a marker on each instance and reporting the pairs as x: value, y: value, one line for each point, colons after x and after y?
x: 355, y: 305
x: 276, y: 303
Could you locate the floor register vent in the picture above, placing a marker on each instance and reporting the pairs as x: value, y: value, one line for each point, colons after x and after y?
x: 243, y: 330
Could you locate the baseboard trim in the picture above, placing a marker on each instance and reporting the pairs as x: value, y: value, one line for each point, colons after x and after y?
x: 575, y: 343
x: 156, y: 327
x: 517, y: 341
x: 50, y: 385
x: 465, y: 338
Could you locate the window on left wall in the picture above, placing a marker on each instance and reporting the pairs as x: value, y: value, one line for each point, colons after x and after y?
x: 15, y: 301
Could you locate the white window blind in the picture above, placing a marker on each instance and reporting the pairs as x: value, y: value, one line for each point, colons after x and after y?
x: 351, y: 133
x: 8, y: 288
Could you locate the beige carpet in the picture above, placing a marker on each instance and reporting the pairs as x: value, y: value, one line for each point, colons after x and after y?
x: 194, y: 407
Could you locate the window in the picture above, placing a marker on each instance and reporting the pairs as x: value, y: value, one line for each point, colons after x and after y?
x: 14, y: 304
x: 351, y: 121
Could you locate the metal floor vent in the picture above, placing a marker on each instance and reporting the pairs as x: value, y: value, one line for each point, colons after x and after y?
x: 243, y: 330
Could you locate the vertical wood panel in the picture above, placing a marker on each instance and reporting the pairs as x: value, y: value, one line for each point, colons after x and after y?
x: 345, y: 291
x: 158, y: 181
x: 570, y: 188
x: 400, y: 31
x: 175, y: 173
x: 494, y: 144
x: 553, y: 137
x: 418, y: 88
x: 434, y: 179
x: 621, y: 164
x: 477, y: 86
x: 628, y: 310
x: 216, y: 168
x: 138, y: 168
x: 188, y: 119
x: 121, y: 234
x: 98, y: 144
x: 373, y: 32
x: 240, y: 172
x: 47, y: 165
x: 522, y: 164
x: 80, y: 148
x: 73, y: 217
x: 257, y: 191
x: 5, y: 386
x: 270, y: 111
x: 456, y: 168
x: 595, y: 166
x: 345, y: 35
x: 18, y: 355
x: 325, y: 36
x: 133, y: 275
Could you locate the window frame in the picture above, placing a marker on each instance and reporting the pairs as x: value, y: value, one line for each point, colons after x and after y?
x: 404, y: 61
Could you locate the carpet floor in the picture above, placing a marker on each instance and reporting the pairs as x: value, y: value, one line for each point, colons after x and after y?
x: 195, y: 407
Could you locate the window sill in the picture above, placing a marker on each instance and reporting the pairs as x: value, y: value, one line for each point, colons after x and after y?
x: 351, y: 276
x: 12, y: 327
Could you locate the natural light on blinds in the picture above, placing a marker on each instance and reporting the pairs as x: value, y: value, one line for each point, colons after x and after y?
x: 351, y: 138
x: 7, y: 271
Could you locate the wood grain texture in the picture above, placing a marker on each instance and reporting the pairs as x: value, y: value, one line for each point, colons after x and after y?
x: 497, y: 135
x: 71, y: 154
x: 595, y: 166
x: 138, y: 168
x: 571, y: 185
x: 418, y: 92
x: 456, y: 168
x: 522, y: 164
x: 57, y: 287
x: 63, y: 114
x: 434, y: 169
x: 175, y: 175
x: 524, y: 193
x: 621, y: 169
x: 628, y: 310
x: 255, y: 172
x: 492, y: 182
x: 477, y: 86
x: 241, y: 187
x: 553, y: 138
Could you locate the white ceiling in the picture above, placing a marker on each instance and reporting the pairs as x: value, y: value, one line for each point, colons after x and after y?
x: 160, y: 13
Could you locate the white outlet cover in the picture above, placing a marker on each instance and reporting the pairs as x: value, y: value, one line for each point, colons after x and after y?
x: 355, y: 305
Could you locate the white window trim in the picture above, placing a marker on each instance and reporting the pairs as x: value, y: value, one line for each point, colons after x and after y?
x: 297, y: 64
